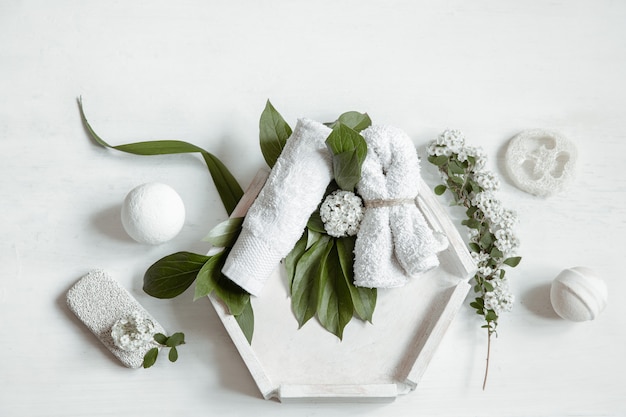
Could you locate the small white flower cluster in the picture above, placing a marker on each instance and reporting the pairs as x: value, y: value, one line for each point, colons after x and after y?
x: 451, y: 142
x: 132, y: 332
x: 342, y: 212
x: 500, y: 300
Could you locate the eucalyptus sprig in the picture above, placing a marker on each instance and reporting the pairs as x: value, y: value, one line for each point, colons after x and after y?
x: 491, y: 238
x: 171, y: 342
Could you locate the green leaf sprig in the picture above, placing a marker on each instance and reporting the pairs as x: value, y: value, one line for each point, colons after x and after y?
x: 491, y: 238
x: 171, y: 342
x: 320, y: 267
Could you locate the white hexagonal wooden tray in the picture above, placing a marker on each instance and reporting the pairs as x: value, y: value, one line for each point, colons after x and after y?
x: 374, y: 362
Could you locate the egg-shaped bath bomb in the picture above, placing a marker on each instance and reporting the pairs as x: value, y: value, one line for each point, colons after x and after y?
x: 578, y: 294
x: 153, y: 213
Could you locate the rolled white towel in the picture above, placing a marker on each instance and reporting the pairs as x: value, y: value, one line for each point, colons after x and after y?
x: 277, y: 218
x: 394, y: 241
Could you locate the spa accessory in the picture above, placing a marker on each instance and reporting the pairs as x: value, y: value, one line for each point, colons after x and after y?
x: 279, y: 215
x: 578, y: 294
x: 111, y: 313
x: 394, y: 241
x: 153, y: 213
x: 540, y: 162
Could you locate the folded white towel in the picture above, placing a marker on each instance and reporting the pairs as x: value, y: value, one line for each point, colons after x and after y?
x: 277, y: 218
x: 394, y: 241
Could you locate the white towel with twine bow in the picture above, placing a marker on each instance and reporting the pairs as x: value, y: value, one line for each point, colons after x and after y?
x: 394, y: 241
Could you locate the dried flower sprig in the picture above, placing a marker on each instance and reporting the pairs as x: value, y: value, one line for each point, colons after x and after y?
x: 492, y: 241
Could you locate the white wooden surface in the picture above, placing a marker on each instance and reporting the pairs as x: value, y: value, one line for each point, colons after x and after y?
x: 201, y: 71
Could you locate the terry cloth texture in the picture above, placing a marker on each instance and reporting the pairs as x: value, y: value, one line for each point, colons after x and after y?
x: 99, y: 301
x: 277, y: 218
x: 394, y: 241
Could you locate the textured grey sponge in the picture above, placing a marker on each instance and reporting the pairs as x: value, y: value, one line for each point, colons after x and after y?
x: 99, y: 301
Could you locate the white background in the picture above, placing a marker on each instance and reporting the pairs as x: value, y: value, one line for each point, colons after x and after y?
x: 201, y: 71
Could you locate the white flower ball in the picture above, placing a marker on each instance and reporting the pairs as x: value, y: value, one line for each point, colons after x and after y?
x: 153, y: 213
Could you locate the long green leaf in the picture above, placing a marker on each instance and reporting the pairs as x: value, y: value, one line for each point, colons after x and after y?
x: 225, y: 234
x: 315, y: 222
x: 246, y: 321
x: 363, y: 299
x: 227, y: 186
x: 334, y: 307
x: 305, y: 285
x: 273, y: 134
x: 291, y: 260
x: 210, y: 279
x: 172, y: 275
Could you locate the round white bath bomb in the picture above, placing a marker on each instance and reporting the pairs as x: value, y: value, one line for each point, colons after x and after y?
x: 578, y: 294
x: 153, y: 213
x: 540, y: 162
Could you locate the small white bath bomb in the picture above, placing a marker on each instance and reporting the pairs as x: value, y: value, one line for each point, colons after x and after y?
x: 578, y: 294
x: 153, y: 213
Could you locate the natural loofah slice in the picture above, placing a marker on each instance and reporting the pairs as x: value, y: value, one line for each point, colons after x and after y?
x: 540, y: 162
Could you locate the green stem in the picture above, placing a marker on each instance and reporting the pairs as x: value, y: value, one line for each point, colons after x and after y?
x: 487, y: 360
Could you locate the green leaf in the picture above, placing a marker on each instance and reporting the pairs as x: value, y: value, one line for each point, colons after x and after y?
x: 496, y: 253
x: 225, y: 234
x: 227, y: 186
x: 474, y: 247
x: 513, y: 261
x: 474, y: 187
x: 363, y: 299
x: 456, y: 179
x: 486, y: 240
x: 291, y: 260
x: 349, y: 150
x: 347, y: 170
x: 455, y: 168
x: 354, y: 120
x: 440, y: 189
x: 150, y: 357
x: 246, y: 321
x: 343, y: 139
x: 273, y: 134
x: 305, y: 287
x: 210, y: 279
x: 315, y: 222
x: 172, y: 275
x: 438, y: 160
x: 176, y: 339
x: 160, y: 338
x: 312, y: 237
x: 491, y: 316
x: 488, y: 286
x: 475, y: 305
x: 173, y: 355
x: 471, y: 223
x: 334, y: 306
